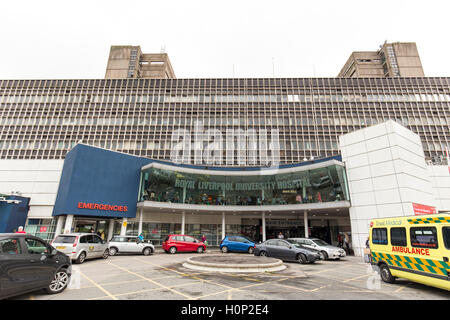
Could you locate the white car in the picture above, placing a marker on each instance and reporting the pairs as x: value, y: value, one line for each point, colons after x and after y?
x: 328, y: 251
x: 130, y: 244
x: 81, y: 246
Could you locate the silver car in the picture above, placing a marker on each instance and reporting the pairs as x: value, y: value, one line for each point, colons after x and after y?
x: 130, y: 244
x: 81, y: 246
x: 328, y: 251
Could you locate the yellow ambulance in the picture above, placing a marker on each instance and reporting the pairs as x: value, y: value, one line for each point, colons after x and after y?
x: 415, y: 248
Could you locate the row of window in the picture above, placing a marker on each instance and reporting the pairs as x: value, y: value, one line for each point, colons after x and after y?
x: 230, y: 82
x: 223, y: 98
x: 219, y: 121
x: 420, y: 237
x: 149, y: 145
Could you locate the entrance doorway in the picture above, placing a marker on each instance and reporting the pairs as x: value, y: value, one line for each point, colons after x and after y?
x: 86, y: 226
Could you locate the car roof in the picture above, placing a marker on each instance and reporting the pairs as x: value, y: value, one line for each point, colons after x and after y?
x: 76, y: 234
x: 12, y: 234
x: 118, y: 235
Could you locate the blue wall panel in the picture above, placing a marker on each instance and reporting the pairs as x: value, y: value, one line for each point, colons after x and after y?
x: 97, y: 176
x: 13, y: 215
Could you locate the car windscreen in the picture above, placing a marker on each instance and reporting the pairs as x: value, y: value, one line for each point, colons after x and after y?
x: 64, y: 239
x: 320, y: 243
x: 295, y: 243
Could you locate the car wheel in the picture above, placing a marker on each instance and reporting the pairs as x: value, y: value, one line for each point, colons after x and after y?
x: 147, y: 251
x: 263, y: 254
x: 385, y: 274
x: 60, y: 281
x: 224, y: 249
x: 301, y: 258
x: 325, y: 255
x: 105, y: 254
x: 81, y: 258
x: 250, y: 250
x: 112, y: 251
x: 200, y: 250
x: 173, y: 250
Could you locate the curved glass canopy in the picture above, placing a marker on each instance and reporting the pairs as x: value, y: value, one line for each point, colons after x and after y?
x: 321, y: 182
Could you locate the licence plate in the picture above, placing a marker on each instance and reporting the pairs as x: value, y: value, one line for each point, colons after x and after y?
x: 60, y: 248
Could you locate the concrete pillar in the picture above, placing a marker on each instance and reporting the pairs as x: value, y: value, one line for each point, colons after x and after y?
x: 263, y: 226
x: 183, y: 221
x: 223, y: 225
x: 123, y: 228
x: 59, y: 226
x: 305, y: 219
x: 141, y: 216
x: 111, y: 229
x: 68, y: 225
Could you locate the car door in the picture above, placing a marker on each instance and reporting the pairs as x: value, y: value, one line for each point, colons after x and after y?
x: 16, y: 269
x: 271, y: 247
x: 121, y: 243
x: 232, y: 244
x: 241, y: 244
x: 136, y: 246
x: 39, y: 252
x: 179, y: 243
x: 90, y: 246
x: 99, y: 247
x: 285, y: 251
x: 190, y: 244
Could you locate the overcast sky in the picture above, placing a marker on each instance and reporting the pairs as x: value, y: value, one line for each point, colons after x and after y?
x: 71, y: 39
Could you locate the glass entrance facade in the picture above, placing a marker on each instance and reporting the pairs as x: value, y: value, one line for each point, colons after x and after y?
x: 323, y: 184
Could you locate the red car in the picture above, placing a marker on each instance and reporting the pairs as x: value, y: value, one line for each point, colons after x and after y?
x: 177, y: 242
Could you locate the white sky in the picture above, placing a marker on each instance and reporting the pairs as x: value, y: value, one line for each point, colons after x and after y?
x: 42, y: 39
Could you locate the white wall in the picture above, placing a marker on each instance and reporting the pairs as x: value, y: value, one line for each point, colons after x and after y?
x: 37, y: 179
x: 386, y: 172
x: 440, y: 181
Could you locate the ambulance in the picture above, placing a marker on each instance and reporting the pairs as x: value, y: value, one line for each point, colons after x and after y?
x: 415, y: 248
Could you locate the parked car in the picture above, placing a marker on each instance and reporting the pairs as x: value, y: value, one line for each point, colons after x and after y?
x: 286, y: 250
x: 130, y: 244
x: 176, y: 242
x: 236, y: 244
x: 28, y: 263
x: 81, y: 246
x: 328, y: 251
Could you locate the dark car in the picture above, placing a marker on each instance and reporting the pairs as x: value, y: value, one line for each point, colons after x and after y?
x: 286, y: 250
x: 28, y: 263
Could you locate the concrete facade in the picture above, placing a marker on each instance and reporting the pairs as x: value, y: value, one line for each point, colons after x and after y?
x: 130, y: 62
x: 398, y: 59
x: 36, y: 179
x: 387, y: 173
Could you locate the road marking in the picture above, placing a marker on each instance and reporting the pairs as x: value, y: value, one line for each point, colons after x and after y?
x: 154, y: 282
x: 99, y: 286
x: 355, y: 278
x: 400, y: 289
x: 301, y: 289
x: 146, y: 290
x: 187, y: 275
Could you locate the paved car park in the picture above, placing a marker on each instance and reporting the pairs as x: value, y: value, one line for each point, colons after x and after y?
x: 162, y: 276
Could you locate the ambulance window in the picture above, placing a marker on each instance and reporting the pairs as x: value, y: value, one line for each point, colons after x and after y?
x: 398, y: 237
x: 446, y: 234
x: 379, y: 236
x: 424, y: 237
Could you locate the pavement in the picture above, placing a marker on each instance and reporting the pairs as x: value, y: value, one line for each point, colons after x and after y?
x: 161, y: 276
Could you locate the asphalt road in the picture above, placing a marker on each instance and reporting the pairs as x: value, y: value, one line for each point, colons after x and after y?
x: 161, y: 276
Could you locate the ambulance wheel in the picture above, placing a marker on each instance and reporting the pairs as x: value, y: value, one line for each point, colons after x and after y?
x: 385, y: 274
